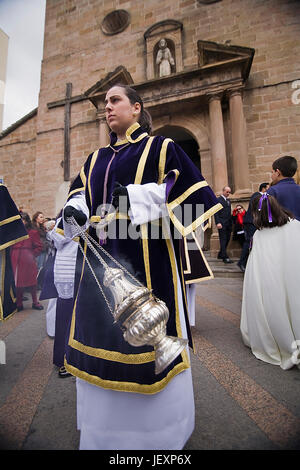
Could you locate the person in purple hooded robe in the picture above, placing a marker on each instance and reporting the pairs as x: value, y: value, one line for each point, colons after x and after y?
x: 12, y: 231
x: 121, y: 402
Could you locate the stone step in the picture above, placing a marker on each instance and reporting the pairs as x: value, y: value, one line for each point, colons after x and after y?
x: 221, y: 269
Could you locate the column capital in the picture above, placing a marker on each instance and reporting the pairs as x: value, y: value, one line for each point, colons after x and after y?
x: 215, y: 95
x: 234, y: 91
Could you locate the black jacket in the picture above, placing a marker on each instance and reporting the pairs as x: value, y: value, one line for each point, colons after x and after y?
x: 287, y: 193
x: 224, y: 215
x: 248, y: 219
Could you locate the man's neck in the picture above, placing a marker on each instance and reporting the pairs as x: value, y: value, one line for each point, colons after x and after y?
x: 282, y: 178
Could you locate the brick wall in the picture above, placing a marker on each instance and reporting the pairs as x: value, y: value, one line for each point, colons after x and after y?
x: 17, y: 163
x: 76, y: 50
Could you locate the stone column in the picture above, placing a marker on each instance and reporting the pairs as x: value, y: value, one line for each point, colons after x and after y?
x: 217, y: 140
x: 239, y: 144
x: 218, y: 156
x: 103, y: 131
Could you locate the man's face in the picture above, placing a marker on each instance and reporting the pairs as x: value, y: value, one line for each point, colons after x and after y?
x: 226, y: 191
x: 264, y: 190
x: 275, y: 175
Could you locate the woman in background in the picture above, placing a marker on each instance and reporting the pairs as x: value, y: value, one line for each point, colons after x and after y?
x: 38, y: 220
x: 24, y: 265
x: 238, y: 226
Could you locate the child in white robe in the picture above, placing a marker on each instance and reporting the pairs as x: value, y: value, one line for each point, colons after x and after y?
x: 270, y: 320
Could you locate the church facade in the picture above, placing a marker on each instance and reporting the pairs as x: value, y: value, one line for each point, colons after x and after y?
x: 220, y: 77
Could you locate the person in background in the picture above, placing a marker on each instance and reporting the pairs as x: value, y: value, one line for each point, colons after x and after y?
x: 38, y: 220
x: 49, y: 251
x: 223, y: 221
x: 12, y: 231
x: 284, y: 187
x: 270, y: 322
x: 238, y: 224
x: 49, y: 225
x: 249, y: 227
x: 21, y: 209
x: 297, y: 176
x: 64, y: 278
x: 24, y: 265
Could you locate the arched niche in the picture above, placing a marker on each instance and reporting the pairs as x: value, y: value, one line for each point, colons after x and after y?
x: 171, y: 31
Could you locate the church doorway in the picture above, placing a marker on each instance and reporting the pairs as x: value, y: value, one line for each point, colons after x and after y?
x: 184, y: 139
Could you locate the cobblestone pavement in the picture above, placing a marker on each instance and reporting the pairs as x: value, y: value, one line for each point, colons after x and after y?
x: 241, y: 403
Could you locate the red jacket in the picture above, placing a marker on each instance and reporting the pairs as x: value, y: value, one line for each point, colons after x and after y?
x: 23, y: 256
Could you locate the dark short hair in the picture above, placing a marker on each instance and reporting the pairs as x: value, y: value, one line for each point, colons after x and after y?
x: 145, y: 120
x: 263, y: 185
x: 280, y: 216
x: 287, y: 165
x: 26, y: 220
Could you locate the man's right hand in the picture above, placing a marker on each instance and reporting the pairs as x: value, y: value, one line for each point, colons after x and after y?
x: 219, y: 226
x: 78, y: 215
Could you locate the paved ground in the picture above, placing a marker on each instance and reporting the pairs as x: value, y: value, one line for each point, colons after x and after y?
x: 241, y: 402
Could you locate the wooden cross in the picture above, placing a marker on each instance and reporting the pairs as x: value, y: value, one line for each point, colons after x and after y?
x: 67, y: 121
x: 67, y: 132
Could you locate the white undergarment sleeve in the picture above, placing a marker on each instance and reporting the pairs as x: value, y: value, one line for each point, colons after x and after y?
x: 147, y: 202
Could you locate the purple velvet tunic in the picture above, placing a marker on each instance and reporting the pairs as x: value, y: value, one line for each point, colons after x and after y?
x: 96, y: 350
x: 12, y: 230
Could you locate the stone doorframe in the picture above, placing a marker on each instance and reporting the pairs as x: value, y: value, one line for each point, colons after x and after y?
x: 220, y: 78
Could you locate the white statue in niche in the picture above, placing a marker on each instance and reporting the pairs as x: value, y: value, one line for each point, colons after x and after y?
x: 164, y: 59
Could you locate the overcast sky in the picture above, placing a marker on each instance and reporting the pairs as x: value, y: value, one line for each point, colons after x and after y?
x: 23, y: 21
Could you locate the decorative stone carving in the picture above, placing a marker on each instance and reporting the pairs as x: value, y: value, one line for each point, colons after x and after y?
x: 164, y: 59
x: 115, y: 22
x: 171, y: 32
